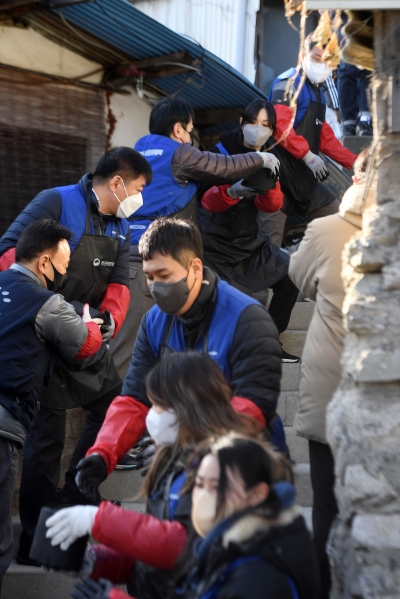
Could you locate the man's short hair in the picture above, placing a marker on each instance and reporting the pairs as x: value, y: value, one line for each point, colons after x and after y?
x: 125, y: 162
x: 309, y: 43
x: 361, y: 163
x: 167, y: 113
x: 40, y: 237
x: 177, y: 238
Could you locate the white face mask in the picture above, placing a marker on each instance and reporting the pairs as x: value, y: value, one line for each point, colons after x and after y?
x: 316, y: 72
x: 256, y: 135
x: 129, y: 206
x: 204, y: 510
x: 163, y: 427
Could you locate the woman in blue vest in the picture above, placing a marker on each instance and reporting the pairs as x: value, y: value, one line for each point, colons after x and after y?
x: 234, y: 246
x: 190, y: 402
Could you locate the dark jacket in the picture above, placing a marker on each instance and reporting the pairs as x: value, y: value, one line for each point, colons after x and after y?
x: 284, y: 546
x: 254, y: 357
x: 47, y: 204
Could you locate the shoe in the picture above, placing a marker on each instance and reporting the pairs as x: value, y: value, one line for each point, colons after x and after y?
x: 364, y: 128
x: 65, y: 499
x: 24, y: 560
x: 289, y: 358
x: 348, y: 130
x: 127, y: 462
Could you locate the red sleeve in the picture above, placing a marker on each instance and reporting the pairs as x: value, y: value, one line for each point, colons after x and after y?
x: 270, y: 201
x: 295, y: 144
x: 216, y: 199
x: 249, y: 408
x: 93, y: 342
x: 119, y: 594
x: 7, y: 259
x: 114, y: 565
x: 134, y: 534
x: 116, y: 300
x: 332, y: 147
x: 125, y: 422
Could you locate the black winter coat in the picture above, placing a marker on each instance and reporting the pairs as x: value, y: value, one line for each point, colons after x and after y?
x: 284, y: 546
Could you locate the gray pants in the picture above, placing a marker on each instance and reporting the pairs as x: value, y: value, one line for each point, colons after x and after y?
x: 273, y: 223
x: 8, y: 474
x: 141, y: 301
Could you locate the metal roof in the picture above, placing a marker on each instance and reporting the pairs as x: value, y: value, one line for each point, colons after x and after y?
x: 121, y: 25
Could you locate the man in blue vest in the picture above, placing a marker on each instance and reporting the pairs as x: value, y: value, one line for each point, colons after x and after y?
x: 95, y: 210
x: 178, y: 169
x: 36, y: 323
x: 194, y: 310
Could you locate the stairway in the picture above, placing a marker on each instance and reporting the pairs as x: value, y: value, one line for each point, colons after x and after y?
x: 24, y: 582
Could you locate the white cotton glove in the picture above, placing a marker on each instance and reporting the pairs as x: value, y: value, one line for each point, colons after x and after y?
x: 69, y: 524
x: 272, y: 164
x: 316, y: 165
x: 87, y: 318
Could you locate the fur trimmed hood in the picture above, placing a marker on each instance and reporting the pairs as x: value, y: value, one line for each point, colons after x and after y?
x: 258, y: 524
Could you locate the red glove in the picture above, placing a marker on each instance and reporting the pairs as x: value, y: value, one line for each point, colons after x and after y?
x: 332, y: 147
x: 125, y: 422
x: 116, y: 299
x: 7, y: 259
x: 93, y: 342
x: 216, y: 199
x: 249, y: 408
x: 295, y: 144
x: 111, y: 564
x: 134, y: 534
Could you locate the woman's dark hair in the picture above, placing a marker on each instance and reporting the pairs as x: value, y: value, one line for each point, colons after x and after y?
x: 193, y: 385
x: 39, y: 237
x: 125, y: 162
x: 177, y: 238
x: 167, y: 113
x: 250, y: 113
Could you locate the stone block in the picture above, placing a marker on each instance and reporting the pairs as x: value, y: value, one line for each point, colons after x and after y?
x: 298, y: 446
x: 303, y: 484
x: 293, y: 341
x: 290, y: 377
x: 287, y: 406
x: 122, y: 485
x: 301, y: 316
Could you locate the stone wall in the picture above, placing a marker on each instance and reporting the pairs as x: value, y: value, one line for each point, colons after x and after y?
x: 364, y: 415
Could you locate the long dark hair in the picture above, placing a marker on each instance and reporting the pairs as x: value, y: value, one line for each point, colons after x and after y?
x: 250, y: 113
x: 193, y: 386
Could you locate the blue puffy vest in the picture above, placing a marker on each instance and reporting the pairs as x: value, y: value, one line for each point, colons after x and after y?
x: 25, y: 361
x: 164, y: 196
x: 229, y: 305
x: 73, y: 216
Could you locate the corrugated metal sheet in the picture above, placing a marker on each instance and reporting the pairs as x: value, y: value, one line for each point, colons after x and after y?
x: 227, y: 28
x: 123, y: 26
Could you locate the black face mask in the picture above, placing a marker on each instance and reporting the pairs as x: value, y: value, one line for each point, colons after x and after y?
x: 59, y: 281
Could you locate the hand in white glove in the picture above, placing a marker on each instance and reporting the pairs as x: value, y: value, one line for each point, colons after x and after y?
x: 87, y: 318
x: 316, y: 165
x: 272, y: 164
x: 69, y: 524
x: 237, y: 190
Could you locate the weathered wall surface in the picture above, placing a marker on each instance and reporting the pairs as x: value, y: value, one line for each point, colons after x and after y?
x: 364, y: 416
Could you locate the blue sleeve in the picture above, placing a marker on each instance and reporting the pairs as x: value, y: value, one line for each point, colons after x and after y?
x: 47, y: 204
x: 141, y: 363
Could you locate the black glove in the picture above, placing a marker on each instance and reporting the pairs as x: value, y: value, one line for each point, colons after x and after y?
x: 91, y: 472
x: 89, y: 589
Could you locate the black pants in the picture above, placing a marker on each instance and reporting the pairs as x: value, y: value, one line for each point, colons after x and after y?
x: 325, y: 507
x: 41, y: 467
x: 8, y: 474
x: 282, y: 303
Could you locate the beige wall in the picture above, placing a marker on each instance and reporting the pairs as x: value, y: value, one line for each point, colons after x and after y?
x: 132, y: 115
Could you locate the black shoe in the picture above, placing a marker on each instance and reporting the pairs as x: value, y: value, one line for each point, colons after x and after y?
x: 66, y: 499
x: 364, y: 128
x: 348, y: 130
x: 24, y: 560
x: 289, y: 358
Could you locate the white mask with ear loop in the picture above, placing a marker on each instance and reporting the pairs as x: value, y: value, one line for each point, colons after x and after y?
x: 317, y: 72
x: 163, y: 427
x: 129, y: 206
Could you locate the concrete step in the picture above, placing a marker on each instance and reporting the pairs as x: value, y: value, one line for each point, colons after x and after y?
x: 303, y: 484
x: 26, y: 582
x: 298, y: 446
x: 290, y: 377
x: 301, y: 316
x: 287, y: 406
x: 123, y: 485
x: 293, y: 341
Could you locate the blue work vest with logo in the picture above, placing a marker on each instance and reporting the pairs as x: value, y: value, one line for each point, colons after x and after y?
x: 73, y: 216
x: 164, y: 196
x: 229, y: 305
